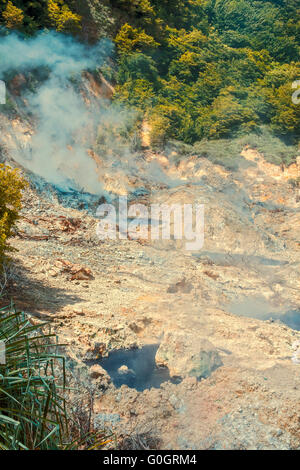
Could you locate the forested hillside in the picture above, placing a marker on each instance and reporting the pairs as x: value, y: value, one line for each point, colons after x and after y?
x: 198, y: 68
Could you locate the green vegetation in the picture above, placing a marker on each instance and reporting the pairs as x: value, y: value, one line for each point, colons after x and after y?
x: 13, y: 16
x: 30, y: 16
x: 212, y: 69
x: 198, y: 69
x: 34, y: 413
x: 227, y: 152
x: 11, y: 185
x: 62, y: 18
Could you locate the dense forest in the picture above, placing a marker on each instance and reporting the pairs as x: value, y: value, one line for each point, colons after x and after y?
x: 199, y: 69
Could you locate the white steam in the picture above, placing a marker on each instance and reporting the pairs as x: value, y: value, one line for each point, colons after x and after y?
x: 58, y: 148
x: 68, y: 121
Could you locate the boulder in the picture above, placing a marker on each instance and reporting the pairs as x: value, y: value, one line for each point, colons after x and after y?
x: 185, y: 355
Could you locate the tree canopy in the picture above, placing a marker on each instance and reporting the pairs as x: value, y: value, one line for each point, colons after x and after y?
x: 199, y: 68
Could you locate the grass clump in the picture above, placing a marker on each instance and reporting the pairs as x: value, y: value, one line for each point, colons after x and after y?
x: 276, y: 150
x: 33, y: 406
x: 227, y: 152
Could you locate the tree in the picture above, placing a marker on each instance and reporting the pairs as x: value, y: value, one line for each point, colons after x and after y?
x: 63, y: 18
x: 13, y: 16
x: 131, y: 39
x: 276, y: 86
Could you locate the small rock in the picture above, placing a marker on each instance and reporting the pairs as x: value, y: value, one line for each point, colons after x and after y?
x: 97, y: 372
x: 182, y: 286
x: 123, y: 370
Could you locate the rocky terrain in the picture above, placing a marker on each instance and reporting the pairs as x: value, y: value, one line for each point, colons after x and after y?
x: 223, y: 322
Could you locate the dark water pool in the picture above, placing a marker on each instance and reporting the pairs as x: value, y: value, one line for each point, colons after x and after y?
x: 136, y: 368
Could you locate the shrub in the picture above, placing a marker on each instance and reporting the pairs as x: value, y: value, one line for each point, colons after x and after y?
x: 160, y: 126
x: 225, y: 152
x: 11, y: 185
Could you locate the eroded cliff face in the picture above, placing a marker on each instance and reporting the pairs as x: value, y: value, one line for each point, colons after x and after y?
x: 222, y: 320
